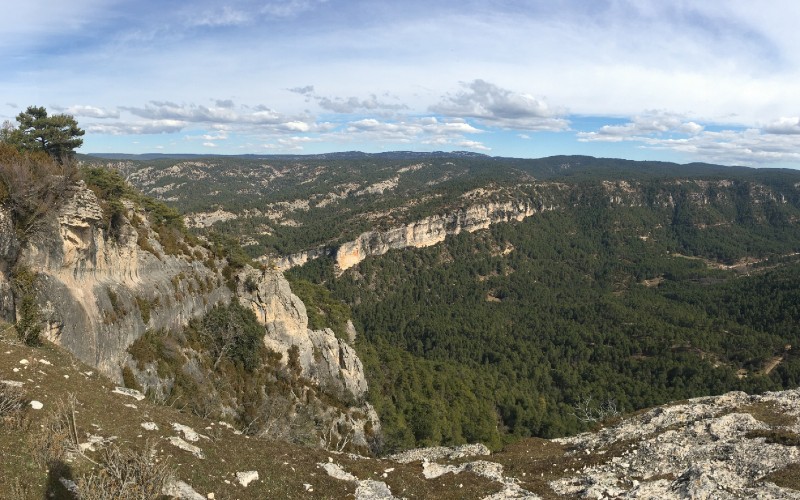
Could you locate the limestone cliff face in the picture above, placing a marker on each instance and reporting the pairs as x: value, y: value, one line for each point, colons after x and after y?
x: 299, y: 259
x: 324, y: 358
x: 432, y: 230
x: 98, y: 293
x: 92, y: 288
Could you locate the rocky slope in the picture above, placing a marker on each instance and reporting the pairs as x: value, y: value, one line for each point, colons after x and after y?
x: 716, y: 201
x: 422, y: 233
x: 96, y: 293
x: 729, y: 446
x: 90, y: 287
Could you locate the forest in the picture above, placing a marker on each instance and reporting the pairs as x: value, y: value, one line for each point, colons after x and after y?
x: 645, y: 282
x: 505, y: 333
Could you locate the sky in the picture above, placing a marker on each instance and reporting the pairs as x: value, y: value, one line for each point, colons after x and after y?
x: 711, y: 81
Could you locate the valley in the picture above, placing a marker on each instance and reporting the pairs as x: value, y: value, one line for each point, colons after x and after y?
x: 493, y: 295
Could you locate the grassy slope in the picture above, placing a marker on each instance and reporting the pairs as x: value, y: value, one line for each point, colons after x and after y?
x: 283, y: 468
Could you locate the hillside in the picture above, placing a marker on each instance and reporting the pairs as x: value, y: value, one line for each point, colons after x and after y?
x: 512, y: 301
x: 733, y: 446
x: 524, y: 287
x: 114, y: 278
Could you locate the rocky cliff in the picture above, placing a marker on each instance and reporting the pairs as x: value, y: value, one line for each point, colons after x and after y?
x: 432, y: 230
x: 100, y: 285
x: 97, y: 293
x: 421, y: 233
x: 716, y: 203
x: 324, y: 358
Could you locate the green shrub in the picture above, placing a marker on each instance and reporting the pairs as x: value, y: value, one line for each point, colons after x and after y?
x: 29, y: 322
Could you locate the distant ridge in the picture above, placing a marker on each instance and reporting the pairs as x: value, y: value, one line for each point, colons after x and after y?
x: 345, y: 155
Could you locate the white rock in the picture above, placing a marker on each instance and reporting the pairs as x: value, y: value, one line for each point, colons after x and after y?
x: 373, y: 490
x: 247, y: 477
x: 70, y: 485
x: 45, y: 362
x: 36, y: 405
x: 308, y: 487
x: 180, y: 443
x: 150, y: 426
x: 181, y: 490
x: 336, y: 472
x: 93, y: 444
x: 437, y: 452
x: 189, y: 434
x: 12, y: 383
x: 133, y: 393
x: 226, y: 425
x: 23, y: 361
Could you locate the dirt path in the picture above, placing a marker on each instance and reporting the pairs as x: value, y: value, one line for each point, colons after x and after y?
x: 772, y: 363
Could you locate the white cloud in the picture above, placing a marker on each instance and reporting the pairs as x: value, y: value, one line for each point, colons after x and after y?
x: 474, y: 145
x: 776, y: 143
x: 457, y: 126
x: 650, y: 123
x: 91, y: 112
x: 746, y: 147
x: 297, y: 126
x: 784, y: 126
x: 294, y: 143
x: 353, y: 104
x: 151, y: 127
x: 226, y: 16
x: 289, y: 8
x: 209, y: 144
x: 484, y: 101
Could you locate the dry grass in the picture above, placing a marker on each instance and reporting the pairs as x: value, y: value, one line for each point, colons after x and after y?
x: 57, y: 442
x: 12, y: 402
x: 126, y: 475
x: 770, y: 413
x: 788, y: 477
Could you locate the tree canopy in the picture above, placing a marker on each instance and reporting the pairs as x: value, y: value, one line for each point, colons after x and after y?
x: 57, y: 135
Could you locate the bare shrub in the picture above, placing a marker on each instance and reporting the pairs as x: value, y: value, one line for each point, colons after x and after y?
x: 58, y: 440
x: 32, y: 185
x: 12, y: 401
x: 126, y: 475
x: 281, y: 419
x: 586, y: 410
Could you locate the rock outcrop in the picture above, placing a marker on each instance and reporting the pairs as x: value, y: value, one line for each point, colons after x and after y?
x: 432, y: 230
x: 92, y: 287
x: 323, y: 358
x: 713, y: 447
x: 100, y: 286
x: 422, y: 233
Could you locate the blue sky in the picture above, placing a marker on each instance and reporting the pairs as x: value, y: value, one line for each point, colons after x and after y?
x: 713, y: 81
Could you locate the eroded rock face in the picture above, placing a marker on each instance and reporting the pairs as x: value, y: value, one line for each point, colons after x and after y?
x: 323, y: 358
x: 9, y: 246
x: 327, y: 361
x: 432, y: 230
x: 701, y: 449
x: 91, y: 287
